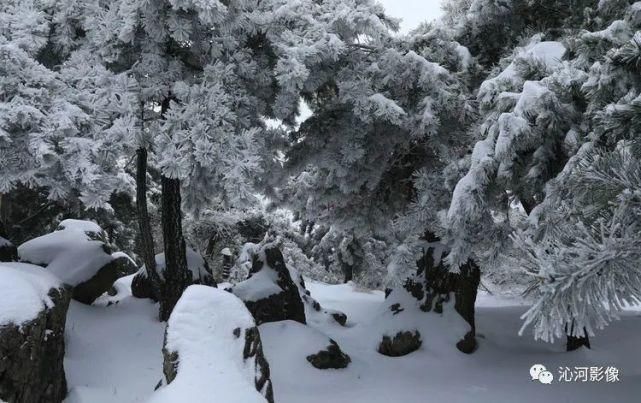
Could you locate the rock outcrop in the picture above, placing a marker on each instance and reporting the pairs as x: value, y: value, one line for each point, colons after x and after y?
x: 314, y: 311
x: 33, y: 310
x: 401, y: 344
x: 269, y: 293
x: 102, y: 281
x: 330, y: 358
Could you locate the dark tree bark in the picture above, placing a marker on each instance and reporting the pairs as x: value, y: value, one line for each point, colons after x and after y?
x: 348, y: 272
x: 144, y: 224
x: 4, y: 216
x: 467, y: 284
x: 176, y: 275
x: 576, y: 342
x: 356, y: 258
x: 176, y: 271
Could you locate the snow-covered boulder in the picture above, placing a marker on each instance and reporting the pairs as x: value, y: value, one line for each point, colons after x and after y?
x: 304, y: 343
x: 33, y: 310
x: 8, y: 251
x: 78, y: 254
x: 269, y: 293
x: 271, y: 282
x: 213, y: 352
x: 141, y: 286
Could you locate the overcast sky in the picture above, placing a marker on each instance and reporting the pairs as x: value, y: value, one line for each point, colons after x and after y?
x: 413, y: 12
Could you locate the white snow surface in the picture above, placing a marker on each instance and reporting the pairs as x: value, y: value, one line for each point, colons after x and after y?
x: 24, y: 290
x: 195, y: 264
x: 82, y: 225
x: 301, y: 340
x: 114, y: 355
x: 69, y: 253
x: 211, y: 362
x: 260, y: 285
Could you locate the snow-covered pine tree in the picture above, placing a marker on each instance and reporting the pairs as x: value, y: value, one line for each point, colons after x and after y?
x: 385, y: 113
x: 583, y: 245
x: 530, y: 117
x: 394, y: 114
x: 542, y: 115
x: 205, y: 71
x: 58, y: 126
x: 492, y: 28
x: 209, y: 72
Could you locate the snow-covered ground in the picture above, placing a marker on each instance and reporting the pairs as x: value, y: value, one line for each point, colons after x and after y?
x: 114, y: 355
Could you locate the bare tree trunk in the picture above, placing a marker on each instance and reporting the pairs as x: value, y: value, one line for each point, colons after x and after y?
x: 176, y: 271
x: 467, y: 284
x: 144, y: 224
x: 348, y: 272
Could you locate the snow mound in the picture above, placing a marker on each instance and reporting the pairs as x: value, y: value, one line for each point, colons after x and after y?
x: 302, y: 341
x: 205, y: 330
x: 69, y: 253
x: 401, y: 312
x: 24, y: 292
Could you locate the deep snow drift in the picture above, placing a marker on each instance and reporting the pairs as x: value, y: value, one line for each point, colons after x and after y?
x: 114, y: 355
